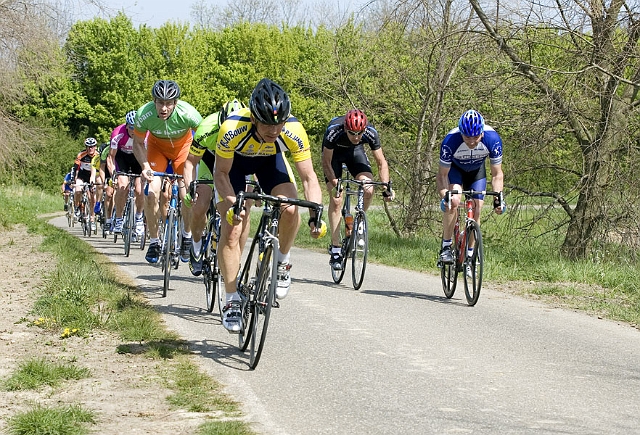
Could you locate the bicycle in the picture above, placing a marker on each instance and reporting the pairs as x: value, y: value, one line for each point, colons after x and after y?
x: 466, y: 234
x: 129, y: 215
x: 85, y: 214
x: 257, y: 288
x: 354, y: 231
x: 170, y: 233
x: 210, y: 269
x: 71, y: 209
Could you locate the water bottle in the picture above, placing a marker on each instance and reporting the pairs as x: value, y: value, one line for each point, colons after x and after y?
x: 348, y: 223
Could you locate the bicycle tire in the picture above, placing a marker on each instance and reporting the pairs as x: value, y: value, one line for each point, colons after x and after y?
x: 337, y: 275
x: 264, y: 294
x: 245, y: 287
x: 208, y: 261
x: 360, y: 247
x: 168, y: 251
x: 473, y: 283
x: 449, y: 278
x: 143, y: 237
x: 126, y: 228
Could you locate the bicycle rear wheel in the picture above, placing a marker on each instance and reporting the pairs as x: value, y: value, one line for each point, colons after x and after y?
x: 360, y: 249
x: 264, y: 294
x: 337, y: 275
x: 168, y: 250
x: 473, y: 266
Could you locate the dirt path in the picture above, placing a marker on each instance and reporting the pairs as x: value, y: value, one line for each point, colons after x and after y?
x: 124, y: 390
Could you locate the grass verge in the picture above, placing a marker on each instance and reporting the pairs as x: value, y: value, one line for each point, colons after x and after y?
x: 83, y: 294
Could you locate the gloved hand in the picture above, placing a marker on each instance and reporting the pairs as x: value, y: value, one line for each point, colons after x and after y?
x: 229, y: 215
x: 187, y: 201
x: 499, y: 204
x: 445, y: 203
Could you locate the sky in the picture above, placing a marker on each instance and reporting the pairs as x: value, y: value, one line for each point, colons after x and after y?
x: 153, y: 13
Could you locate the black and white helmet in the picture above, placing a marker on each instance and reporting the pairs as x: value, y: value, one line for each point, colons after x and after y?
x: 269, y: 103
x: 166, y: 90
x: 90, y: 142
x: 228, y: 107
x: 130, y: 117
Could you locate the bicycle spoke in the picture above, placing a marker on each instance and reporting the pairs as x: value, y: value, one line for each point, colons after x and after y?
x: 263, y: 300
x: 473, y: 266
x: 360, y: 249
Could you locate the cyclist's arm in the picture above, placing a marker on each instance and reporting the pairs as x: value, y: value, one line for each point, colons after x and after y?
x: 140, y: 151
x: 497, y: 178
x: 442, y: 180
x: 190, y: 164
x: 383, y: 166
x: 222, y: 180
x: 309, y: 179
x: 111, y: 159
x: 327, y: 157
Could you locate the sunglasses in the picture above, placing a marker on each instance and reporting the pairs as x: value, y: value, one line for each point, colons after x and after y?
x: 355, y: 133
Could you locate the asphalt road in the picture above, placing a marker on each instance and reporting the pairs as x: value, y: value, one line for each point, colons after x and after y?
x: 397, y: 357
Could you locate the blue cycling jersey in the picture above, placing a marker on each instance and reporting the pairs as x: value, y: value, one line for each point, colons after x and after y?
x: 454, y: 151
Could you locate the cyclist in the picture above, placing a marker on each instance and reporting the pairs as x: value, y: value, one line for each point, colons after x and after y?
x: 105, y: 174
x: 170, y: 123
x: 84, y: 172
x: 462, y: 167
x: 253, y: 141
x: 203, y: 150
x: 343, y: 142
x: 66, y: 188
x: 97, y: 162
x: 121, y: 159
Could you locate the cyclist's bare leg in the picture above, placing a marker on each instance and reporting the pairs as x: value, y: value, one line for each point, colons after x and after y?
x: 151, y: 206
x: 477, y: 208
x: 121, y: 197
x: 289, y: 219
x: 450, y: 216
x: 335, y: 208
x: 199, y: 211
x: 368, y: 190
x: 108, y: 202
x: 229, y: 248
x: 139, y: 195
x: 77, y: 194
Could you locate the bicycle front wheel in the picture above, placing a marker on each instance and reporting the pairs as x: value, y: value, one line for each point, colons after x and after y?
x: 360, y: 249
x: 168, y: 251
x: 245, y: 284
x: 338, y: 274
x: 473, y: 265
x: 128, y: 227
x: 208, y: 264
x: 264, y: 292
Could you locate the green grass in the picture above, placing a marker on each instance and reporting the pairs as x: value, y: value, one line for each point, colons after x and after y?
x: 515, y: 254
x: 64, y: 420
x: 36, y: 372
x: 82, y: 294
x: 196, y: 392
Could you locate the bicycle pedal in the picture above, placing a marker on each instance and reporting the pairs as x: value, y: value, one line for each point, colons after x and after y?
x: 275, y: 304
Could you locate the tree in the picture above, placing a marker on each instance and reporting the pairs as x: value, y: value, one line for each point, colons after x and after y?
x: 595, y: 97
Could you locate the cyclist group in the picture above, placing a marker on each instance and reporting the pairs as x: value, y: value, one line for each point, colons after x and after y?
x: 240, y: 142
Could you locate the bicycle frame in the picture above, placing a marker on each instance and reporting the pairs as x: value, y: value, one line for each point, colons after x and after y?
x: 356, y: 244
x: 467, y: 236
x: 257, y: 290
x: 169, y: 257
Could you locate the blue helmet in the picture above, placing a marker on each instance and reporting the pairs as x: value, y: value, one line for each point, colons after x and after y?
x: 471, y: 123
x: 130, y: 117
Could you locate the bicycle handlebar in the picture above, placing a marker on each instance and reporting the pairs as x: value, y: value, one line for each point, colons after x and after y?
x: 277, y: 200
x: 471, y: 192
x: 360, y: 183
